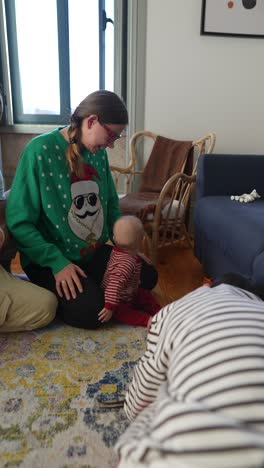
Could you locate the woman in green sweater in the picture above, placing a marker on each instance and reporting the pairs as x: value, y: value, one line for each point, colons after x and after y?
x: 63, y: 205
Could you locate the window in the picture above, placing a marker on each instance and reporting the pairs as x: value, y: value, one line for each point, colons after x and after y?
x: 59, y: 51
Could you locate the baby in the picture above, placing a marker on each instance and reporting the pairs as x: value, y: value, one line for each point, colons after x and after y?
x: 124, y: 299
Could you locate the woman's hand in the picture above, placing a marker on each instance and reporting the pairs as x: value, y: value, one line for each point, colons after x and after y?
x: 67, y: 279
x: 105, y: 315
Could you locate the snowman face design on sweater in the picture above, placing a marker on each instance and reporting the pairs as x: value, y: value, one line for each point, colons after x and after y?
x: 86, y: 217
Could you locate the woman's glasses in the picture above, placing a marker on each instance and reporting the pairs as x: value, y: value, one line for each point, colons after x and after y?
x: 112, y: 136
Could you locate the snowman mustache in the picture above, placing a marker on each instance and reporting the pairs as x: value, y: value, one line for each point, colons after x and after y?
x: 87, y: 213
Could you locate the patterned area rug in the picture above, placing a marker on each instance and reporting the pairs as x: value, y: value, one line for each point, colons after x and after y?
x: 52, y: 385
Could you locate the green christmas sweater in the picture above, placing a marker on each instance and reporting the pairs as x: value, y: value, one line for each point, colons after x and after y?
x: 55, y: 217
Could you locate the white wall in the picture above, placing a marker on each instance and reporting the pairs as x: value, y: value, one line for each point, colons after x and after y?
x: 195, y: 83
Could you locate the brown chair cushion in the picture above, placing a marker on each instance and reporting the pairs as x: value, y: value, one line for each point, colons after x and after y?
x: 166, y: 159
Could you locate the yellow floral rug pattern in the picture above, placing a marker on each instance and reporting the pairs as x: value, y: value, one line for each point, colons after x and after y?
x: 52, y: 383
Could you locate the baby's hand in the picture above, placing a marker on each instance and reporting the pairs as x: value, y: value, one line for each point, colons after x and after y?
x: 105, y: 315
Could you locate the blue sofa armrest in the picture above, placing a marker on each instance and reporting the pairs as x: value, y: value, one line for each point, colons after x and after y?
x: 229, y: 174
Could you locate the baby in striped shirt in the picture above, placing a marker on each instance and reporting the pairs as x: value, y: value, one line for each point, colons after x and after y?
x: 125, y: 300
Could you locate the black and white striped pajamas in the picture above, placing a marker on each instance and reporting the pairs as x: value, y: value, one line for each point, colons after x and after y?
x: 197, y: 394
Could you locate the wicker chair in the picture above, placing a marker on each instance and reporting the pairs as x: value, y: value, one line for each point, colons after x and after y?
x: 165, y: 216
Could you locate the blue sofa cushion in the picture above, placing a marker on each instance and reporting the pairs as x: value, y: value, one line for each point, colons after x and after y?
x: 237, y: 229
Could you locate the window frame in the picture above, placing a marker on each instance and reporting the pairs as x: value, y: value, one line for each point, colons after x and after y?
x: 13, y: 95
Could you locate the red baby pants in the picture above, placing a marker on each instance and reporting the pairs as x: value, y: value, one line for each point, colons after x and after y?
x: 139, y: 311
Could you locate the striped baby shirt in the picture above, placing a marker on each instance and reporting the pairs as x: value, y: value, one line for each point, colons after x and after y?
x: 197, y: 394
x: 122, y: 278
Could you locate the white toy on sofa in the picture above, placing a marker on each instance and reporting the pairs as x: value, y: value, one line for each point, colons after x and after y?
x: 246, y: 197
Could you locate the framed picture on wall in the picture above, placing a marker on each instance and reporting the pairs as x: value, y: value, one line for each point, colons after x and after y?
x: 244, y: 18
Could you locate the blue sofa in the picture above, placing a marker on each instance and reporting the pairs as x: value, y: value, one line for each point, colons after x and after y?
x: 229, y: 235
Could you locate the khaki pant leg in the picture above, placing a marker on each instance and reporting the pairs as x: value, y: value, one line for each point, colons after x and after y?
x: 23, y: 305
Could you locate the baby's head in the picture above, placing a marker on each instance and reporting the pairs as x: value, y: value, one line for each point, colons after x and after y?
x: 128, y: 233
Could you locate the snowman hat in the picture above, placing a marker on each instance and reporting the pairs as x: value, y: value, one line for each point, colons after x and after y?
x: 85, y: 184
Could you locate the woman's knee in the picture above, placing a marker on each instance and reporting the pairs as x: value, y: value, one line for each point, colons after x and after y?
x: 84, y: 318
x: 83, y: 311
x: 87, y: 323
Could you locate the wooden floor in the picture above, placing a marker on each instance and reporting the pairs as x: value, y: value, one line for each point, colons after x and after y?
x: 179, y: 273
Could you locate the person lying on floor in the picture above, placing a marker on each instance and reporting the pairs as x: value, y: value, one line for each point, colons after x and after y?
x: 125, y: 300
x: 23, y: 305
x: 196, y: 399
